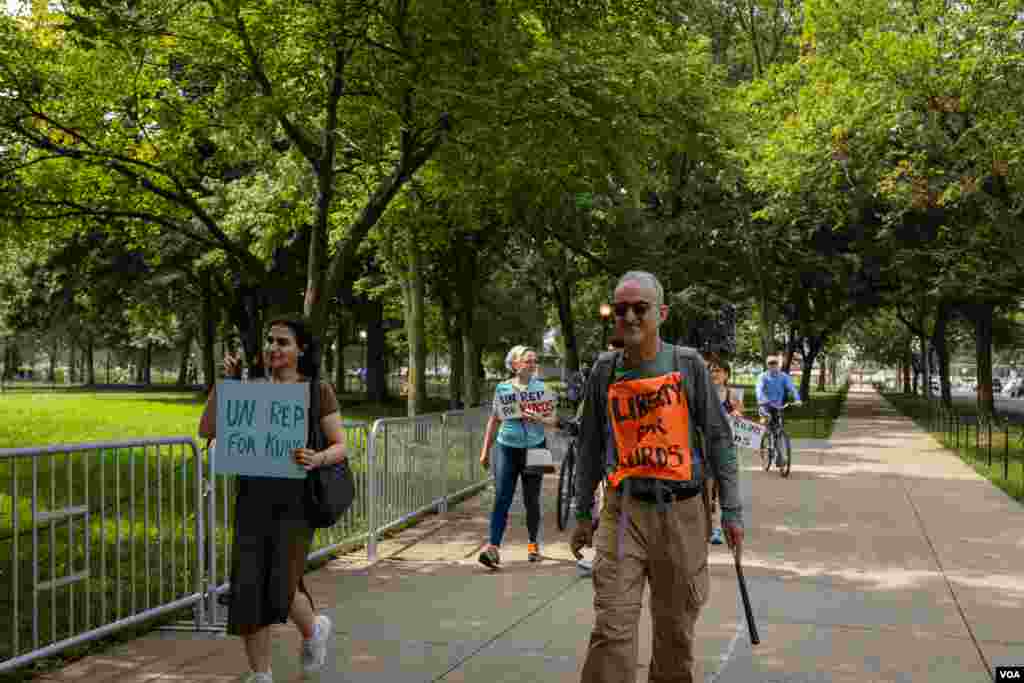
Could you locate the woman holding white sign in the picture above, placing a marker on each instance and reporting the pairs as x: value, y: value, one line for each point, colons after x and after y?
x: 272, y: 532
x: 522, y: 408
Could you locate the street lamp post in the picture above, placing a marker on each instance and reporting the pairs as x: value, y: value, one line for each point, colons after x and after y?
x: 606, y: 316
x: 362, y: 336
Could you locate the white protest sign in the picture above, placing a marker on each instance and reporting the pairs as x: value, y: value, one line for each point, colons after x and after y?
x: 511, y: 404
x: 736, y: 394
x: 746, y: 434
x: 258, y: 426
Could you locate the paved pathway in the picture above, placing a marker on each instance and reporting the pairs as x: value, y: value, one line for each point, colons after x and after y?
x: 881, y: 558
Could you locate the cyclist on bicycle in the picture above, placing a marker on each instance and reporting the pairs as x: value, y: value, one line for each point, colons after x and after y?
x: 773, y: 386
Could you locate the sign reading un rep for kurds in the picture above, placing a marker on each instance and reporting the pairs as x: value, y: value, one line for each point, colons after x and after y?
x: 746, y: 434
x: 511, y: 404
x: 258, y: 426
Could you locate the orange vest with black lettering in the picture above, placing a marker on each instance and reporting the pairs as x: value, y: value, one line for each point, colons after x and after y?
x: 650, y: 420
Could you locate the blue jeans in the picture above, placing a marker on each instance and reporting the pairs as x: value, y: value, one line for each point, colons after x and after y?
x: 509, y: 466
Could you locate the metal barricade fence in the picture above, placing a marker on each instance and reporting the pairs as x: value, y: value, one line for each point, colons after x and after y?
x: 96, y: 537
x: 101, y: 536
x: 418, y: 464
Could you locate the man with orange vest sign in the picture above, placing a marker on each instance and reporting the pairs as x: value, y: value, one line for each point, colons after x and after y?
x: 646, y: 409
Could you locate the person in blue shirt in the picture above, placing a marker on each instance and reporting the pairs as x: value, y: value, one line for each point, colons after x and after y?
x: 772, y: 388
x: 515, y: 435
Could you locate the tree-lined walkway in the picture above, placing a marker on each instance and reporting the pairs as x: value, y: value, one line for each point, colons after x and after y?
x: 881, y: 558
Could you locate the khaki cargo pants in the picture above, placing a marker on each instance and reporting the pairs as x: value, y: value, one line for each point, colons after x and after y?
x: 670, y: 550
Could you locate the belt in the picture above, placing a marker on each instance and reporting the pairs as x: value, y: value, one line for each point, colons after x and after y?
x: 671, y: 495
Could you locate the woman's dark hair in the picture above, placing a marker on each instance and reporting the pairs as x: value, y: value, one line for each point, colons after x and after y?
x: 309, y: 366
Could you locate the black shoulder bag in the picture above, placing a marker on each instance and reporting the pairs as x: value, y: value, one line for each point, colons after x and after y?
x: 330, y: 489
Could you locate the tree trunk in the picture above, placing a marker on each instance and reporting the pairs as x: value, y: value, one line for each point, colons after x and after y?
x: 90, y: 361
x: 466, y: 291
x: 562, y: 289
x: 209, y: 332
x: 376, y: 371
x: 51, y: 375
x: 822, y: 376
x: 72, y: 376
x: 247, y: 313
x: 326, y: 356
x: 908, y: 368
x: 938, y: 344
x: 455, y: 361
x: 9, y: 362
x: 346, y: 258
x: 470, y: 360
x: 339, y: 368
x: 982, y: 315
x: 791, y: 346
x: 147, y: 368
x: 812, y: 348
x: 767, y: 329
x: 186, y: 355
x: 926, y: 372
x: 415, y: 329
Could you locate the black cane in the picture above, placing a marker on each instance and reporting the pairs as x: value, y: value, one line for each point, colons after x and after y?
x: 754, y: 640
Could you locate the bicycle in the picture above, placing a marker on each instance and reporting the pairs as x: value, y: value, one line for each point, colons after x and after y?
x: 776, y: 446
x: 567, y: 477
x: 566, y: 498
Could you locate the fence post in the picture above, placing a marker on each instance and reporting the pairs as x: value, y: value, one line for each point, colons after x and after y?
x: 443, y: 507
x: 210, y: 492
x: 198, y: 578
x: 990, y: 443
x: 371, y: 493
x: 1006, y: 452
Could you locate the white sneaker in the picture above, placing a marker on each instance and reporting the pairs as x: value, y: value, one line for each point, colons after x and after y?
x: 586, y: 566
x: 259, y: 677
x: 314, y: 650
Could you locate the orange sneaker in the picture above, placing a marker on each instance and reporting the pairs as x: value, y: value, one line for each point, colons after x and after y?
x: 532, y: 552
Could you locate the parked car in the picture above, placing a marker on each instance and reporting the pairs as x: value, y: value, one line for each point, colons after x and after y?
x: 1014, y: 388
x: 997, y: 385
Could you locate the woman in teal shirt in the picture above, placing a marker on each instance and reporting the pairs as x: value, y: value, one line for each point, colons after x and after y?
x: 515, y: 436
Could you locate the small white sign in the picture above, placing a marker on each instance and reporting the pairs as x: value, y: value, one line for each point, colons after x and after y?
x: 746, y: 434
x: 510, y: 405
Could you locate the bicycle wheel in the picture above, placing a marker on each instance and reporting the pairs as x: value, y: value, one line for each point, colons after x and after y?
x: 767, y: 450
x: 785, y: 453
x: 565, y: 486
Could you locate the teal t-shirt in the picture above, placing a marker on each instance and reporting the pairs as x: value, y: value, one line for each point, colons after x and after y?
x: 516, y: 432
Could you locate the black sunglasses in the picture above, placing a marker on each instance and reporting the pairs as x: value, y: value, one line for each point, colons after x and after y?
x: 640, y: 308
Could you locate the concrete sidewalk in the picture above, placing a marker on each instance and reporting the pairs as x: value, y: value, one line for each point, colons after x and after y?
x: 881, y: 558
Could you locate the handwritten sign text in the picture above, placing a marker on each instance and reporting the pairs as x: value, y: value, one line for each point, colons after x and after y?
x: 259, y: 424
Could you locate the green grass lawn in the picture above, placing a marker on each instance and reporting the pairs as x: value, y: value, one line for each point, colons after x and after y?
x: 1000, y: 459
x: 74, y: 416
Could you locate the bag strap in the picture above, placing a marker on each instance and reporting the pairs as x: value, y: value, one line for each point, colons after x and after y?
x: 702, y: 437
x: 315, y: 436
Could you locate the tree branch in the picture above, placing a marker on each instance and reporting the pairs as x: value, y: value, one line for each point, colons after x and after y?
x: 302, y: 140
x: 121, y: 165
x: 76, y: 210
